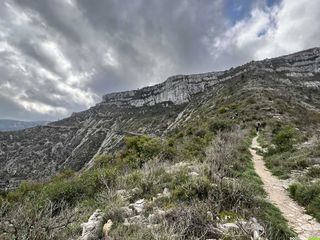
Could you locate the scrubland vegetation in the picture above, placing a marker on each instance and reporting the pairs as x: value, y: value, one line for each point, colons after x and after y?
x: 207, y: 170
x: 198, y: 176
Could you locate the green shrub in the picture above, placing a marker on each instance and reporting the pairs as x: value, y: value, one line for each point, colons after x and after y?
x: 140, y: 149
x: 314, y: 172
x: 308, y: 195
x: 80, y: 187
x: 143, y: 146
x: 134, y: 179
x: 133, y: 161
x: 24, y: 189
x: 65, y: 174
x: 191, y: 190
x: 285, y: 139
x: 194, y: 147
x: 180, y: 177
x: 316, y: 150
x: 219, y: 125
x: 222, y: 110
x: 282, y: 163
x: 103, y: 161
x: 314, y: 207
x: 168, y: 152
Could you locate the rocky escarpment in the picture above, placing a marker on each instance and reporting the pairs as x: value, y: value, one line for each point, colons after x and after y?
x: 176, y: 89
x: 74, y: 142
x: 180, y: 89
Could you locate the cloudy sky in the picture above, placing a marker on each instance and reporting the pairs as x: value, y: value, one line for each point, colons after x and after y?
x: 61, y: 56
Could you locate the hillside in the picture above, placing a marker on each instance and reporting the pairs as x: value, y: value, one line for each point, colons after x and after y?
x: 172, y: 161
x: 75, y: 141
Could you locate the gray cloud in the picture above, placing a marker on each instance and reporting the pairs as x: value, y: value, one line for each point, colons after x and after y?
x: 62, y: 56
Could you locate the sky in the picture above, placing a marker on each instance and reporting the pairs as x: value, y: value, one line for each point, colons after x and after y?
x: 62, y: 56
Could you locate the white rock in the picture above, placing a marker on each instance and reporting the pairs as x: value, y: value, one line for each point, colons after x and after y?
x: 194, y: 174
x: 228, y: 226
x: 166, y: 192
x: 138, y: 205
x: 106, y: 229
x: 126, y: 222
x: 92, y: 229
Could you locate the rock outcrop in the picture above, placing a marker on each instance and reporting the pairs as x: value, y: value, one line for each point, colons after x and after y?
x: 177, y: 89
x: 92, y: 230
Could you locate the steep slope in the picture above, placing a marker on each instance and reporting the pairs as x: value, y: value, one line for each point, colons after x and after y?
x: 39, y: 153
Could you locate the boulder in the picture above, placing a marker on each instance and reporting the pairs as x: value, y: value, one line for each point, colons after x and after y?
x: 92, y: 229
x: 138, y: 205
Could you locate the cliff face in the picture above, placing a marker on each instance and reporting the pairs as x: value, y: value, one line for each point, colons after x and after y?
x: 180, y: 89
x: 40, y: 152
x: 177, y: 90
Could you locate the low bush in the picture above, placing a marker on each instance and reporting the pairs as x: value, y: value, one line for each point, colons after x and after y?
x: 308, y: 195
x: 222, y: 110
x: 193, y: 189
x: 282, y: 163
x: 314, y: 172
x: 23, y: 190
x: 140, y: 149
x: 80, y: 187
x: 284, y: 140
x: 217, y: 125
x: 142, y: 146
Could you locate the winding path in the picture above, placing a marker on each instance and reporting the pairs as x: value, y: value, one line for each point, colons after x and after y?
x: 304, y: 225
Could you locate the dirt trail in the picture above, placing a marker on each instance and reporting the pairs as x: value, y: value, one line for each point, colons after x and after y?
x: 304, y: 225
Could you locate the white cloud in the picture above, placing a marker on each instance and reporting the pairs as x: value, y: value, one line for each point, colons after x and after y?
x: 19, y: 17
x: 40, y: 107
x: 109, y: 59
x: 269, y: 32
x: 51, y: 50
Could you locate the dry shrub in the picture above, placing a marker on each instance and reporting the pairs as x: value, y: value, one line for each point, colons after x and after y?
x: 27, y: 221
x: 221, y: 155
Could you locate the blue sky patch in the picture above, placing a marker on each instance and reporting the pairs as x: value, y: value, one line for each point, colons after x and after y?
x: 236, y: 10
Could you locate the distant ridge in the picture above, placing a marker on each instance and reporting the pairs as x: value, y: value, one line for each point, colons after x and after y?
x: 14, y: 125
